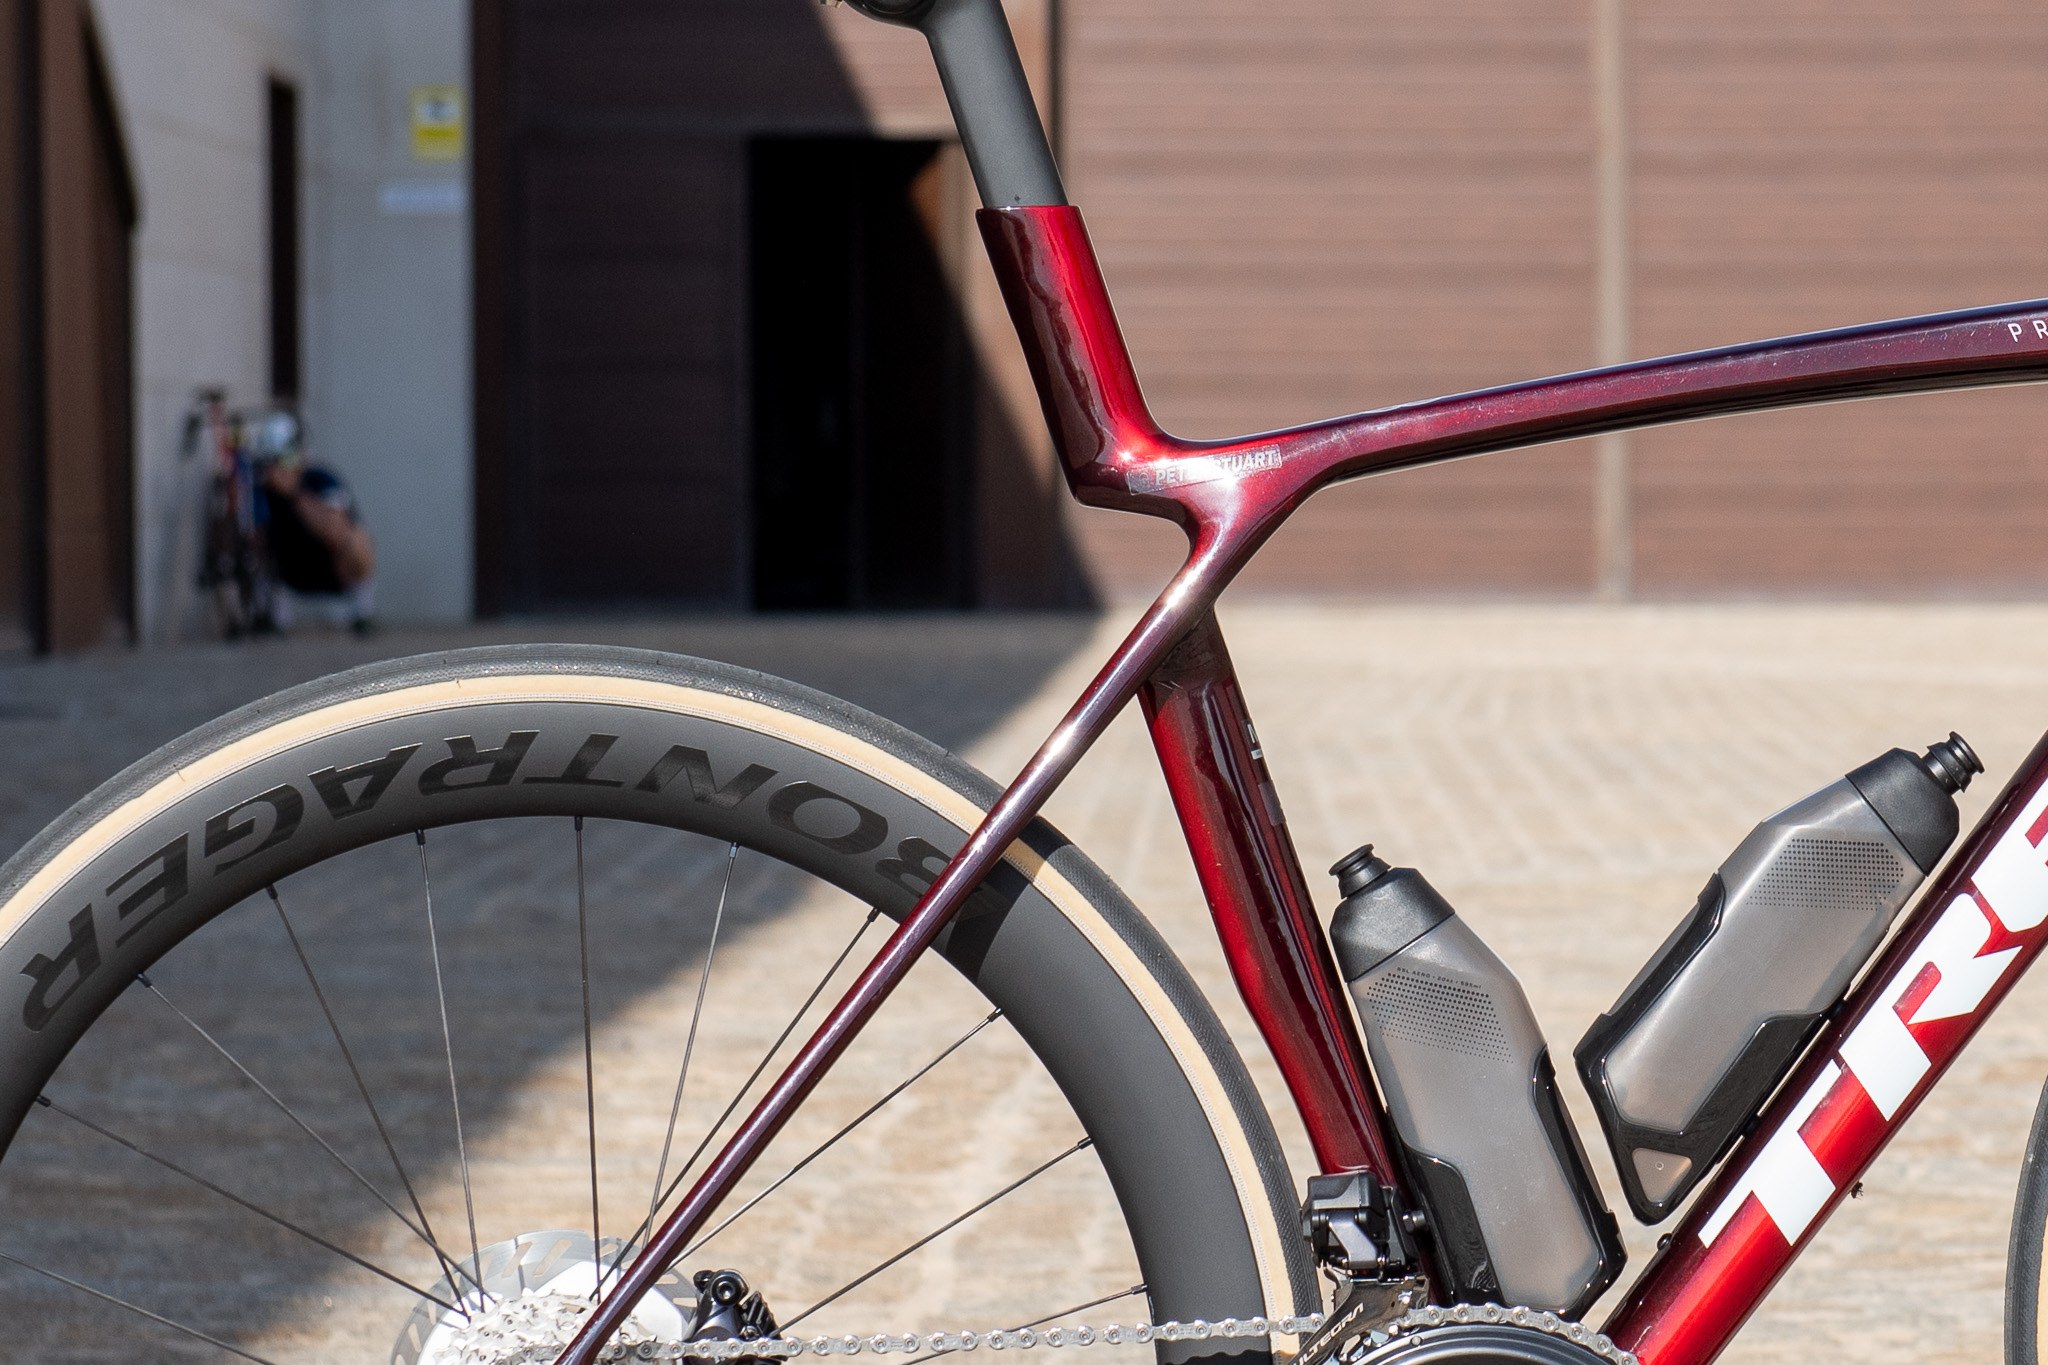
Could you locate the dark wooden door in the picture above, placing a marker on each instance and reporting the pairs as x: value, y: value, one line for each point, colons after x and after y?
x: 862, y: 440
x: 66, y: 374
x: 627, y: 486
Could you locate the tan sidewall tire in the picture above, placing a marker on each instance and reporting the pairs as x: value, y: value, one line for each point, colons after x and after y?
x: 442, y: 739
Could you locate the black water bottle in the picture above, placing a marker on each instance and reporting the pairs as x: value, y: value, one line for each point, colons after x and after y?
x: 1510, y: 1204
x: 1717, y: 1018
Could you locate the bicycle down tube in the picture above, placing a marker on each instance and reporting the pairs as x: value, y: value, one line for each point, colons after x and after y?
x: 1230, y: 496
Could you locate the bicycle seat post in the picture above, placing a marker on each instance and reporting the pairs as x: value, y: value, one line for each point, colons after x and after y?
x: 991, y: 100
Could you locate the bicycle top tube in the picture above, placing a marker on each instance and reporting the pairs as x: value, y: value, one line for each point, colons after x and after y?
x: 1238, y: 491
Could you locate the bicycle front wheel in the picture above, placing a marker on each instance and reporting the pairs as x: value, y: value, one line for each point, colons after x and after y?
x: 348, y: 1019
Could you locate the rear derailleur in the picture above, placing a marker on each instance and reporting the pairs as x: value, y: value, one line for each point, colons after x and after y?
x: 1363, y: 1242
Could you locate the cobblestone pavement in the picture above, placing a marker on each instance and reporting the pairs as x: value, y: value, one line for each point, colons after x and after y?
x: 1566, y: 775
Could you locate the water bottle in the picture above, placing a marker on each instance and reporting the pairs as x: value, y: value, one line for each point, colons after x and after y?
x: 1717, y: 1018
x: 1507, y: 1197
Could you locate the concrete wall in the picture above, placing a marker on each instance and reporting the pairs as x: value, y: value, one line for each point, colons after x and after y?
x: 385, y: 308
x: 390, y: 326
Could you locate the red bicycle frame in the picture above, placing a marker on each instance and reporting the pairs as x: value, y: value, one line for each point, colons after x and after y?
x: 1953, y: 957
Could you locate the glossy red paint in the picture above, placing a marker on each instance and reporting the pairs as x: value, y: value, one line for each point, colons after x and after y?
x: 1232, y: 494
x: 1229, y: 496
x: 1977, y: 929
x: 1265, y: 917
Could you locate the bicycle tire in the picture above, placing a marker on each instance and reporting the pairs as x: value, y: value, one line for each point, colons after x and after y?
x: 2023, y: 1254
x: 417, y: 744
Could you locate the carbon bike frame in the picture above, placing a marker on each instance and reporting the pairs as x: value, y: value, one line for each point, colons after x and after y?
x: 1955, y: 954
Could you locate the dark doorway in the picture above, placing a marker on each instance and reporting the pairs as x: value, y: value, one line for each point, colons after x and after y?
x: 284, y: 239
x: 862, y: 424
x: 114, y: 213
x: 610, y: 178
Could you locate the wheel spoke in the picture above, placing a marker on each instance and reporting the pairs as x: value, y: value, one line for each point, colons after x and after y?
x: 822, y: 1147
x: 157, y: 1318
x: 589, y: 1064
x: 285, y: 1109
x: 449, y: 1267
x: 690, y: 1044
x: 448, y: 1049
x: 287, y: 1224
x: 1049, y: 1317
x: 754, y: 1075
x: 1005, y: 1192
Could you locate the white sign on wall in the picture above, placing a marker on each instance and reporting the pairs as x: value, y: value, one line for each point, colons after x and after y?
x: 423, y: 198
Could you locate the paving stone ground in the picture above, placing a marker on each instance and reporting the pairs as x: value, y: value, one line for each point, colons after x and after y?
x: 1566, y: 775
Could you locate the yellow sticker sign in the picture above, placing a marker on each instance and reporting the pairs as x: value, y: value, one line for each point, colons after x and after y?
x: 437, y: 123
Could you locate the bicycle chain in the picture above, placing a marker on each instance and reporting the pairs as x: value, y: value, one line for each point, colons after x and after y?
x: 534, y: 1329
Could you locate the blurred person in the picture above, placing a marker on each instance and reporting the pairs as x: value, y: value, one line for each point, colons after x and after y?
x: 318, y: 545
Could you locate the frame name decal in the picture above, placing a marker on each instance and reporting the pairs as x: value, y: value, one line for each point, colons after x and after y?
x: 1199, y: 469
x: 2019, y: 329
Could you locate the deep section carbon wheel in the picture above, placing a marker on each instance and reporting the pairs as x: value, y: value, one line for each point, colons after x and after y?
x: 2023, y: 1254
x: 323, y: 1025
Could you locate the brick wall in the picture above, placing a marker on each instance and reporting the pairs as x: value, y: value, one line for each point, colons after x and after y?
x: 1816, y: 163
x: 1308, y: 208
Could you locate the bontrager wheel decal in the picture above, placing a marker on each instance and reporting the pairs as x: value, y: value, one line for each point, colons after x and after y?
x: 1268, y: 1237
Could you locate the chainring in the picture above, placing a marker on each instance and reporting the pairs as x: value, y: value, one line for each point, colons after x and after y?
x: 1481, y: 1343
